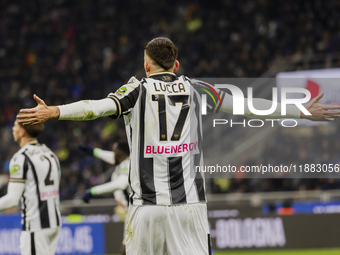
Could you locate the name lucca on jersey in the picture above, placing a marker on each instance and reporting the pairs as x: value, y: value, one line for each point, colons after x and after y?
x: 171, y: 88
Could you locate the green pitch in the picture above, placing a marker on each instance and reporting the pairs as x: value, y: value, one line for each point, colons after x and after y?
x: 276, y: 252
x: 288, y: 252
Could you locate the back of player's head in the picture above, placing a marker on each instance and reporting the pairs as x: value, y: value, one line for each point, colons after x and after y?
x: 124, y: 147
x: 162, y: 51
x: 33, y: 130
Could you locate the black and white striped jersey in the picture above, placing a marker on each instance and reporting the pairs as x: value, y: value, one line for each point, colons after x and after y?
x: 162, y: 114
x: 38, y: 167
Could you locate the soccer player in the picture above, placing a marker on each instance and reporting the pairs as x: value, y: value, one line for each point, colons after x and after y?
x: 162, y: 113
x: 119, y: 156
x: 34, y: 177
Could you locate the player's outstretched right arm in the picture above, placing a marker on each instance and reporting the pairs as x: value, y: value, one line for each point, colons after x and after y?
x: 81, y: 110
x: 39, y: 114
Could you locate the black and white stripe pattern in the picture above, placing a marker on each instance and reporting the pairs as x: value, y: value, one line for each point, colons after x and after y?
x: 33, y: 250
x: 163, y: 125
x: 146, y: 169
x: 39, y: 168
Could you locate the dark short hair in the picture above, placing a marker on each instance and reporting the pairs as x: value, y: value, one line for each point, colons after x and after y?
x: 124, y: 147
x: 163, y: 51
x: 33, y: 130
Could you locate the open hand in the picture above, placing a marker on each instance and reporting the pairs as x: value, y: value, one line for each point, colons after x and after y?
x: 321, y: 112
x: 39, y: 114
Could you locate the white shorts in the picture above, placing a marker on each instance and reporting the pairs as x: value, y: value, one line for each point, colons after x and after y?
x: 174, y: 230
x: 39, y: 242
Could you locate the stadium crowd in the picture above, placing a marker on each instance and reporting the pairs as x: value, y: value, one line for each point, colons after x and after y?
x: 305, y: 145
x: 69, y: 50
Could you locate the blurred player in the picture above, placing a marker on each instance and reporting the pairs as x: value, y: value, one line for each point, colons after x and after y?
x: 34, y: 177
x: 119, y: 156
x: 162, y: 114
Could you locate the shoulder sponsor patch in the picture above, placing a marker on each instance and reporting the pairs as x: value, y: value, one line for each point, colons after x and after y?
x: 121, y: 90
x: 14, y: 169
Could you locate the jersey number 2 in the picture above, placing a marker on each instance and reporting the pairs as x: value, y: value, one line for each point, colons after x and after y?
x: 173, y: 100
x: 48, y: 180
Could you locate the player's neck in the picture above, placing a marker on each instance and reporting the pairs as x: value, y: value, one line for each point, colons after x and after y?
x: 27, y: 140
x: 159, y: 70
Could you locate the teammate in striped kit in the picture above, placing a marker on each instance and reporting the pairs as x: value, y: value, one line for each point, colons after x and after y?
x: 162, y: 114
x: 34, y: 177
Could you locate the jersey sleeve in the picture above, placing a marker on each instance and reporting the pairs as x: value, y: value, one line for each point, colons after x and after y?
x: 125, y: 97
x: 214, y: 95
x: 105, y: 155
x: 120, y: 183
x: 18, y: 168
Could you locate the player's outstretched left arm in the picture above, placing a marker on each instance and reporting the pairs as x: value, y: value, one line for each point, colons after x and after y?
x: 81, y: 110
x: 320, y: 112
